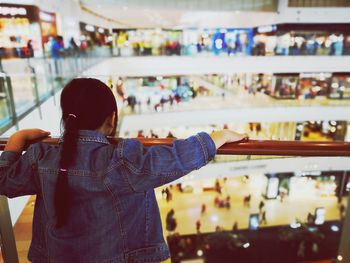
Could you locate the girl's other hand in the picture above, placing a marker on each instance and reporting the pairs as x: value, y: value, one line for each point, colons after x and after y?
x: 226, y: 136
x: 23, y: 138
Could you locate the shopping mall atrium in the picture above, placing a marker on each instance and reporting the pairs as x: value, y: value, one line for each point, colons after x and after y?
x: 276, y: 70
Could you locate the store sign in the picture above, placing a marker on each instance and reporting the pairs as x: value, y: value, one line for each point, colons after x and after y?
x: 90, y: 28
x: 12, y: 11
x: 308, y: 173
x: 30, y: 12
x: 44, y: 16
x: 266, y: 29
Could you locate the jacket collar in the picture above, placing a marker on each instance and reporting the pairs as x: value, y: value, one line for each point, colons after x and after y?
x: 90, y: 136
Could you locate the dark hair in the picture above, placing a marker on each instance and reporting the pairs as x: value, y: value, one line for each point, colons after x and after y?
x: 85, y: 103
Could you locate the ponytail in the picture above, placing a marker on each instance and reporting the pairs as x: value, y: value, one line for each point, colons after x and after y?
x: 85, y: 103
x: 62, y: 192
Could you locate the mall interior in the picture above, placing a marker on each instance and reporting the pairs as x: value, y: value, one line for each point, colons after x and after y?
x: 277, y: 70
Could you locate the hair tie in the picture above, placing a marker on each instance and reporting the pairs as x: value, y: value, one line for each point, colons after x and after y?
x: 72, y: 115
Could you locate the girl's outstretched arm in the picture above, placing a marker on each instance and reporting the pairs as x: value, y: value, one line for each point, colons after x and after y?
x: 21, y: 139
x: 159, y: 165
x: 18, y: 173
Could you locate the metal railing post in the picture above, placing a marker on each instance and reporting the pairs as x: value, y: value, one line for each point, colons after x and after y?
x: 12, y: 101
x: 35, y: 86
x: 9, y: 249
x: 47, y: 63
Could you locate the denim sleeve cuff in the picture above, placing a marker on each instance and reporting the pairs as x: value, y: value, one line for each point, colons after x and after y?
x: 208, y: 145
x: 9, y: 157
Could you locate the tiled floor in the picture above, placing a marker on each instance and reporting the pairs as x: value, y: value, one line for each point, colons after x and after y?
x: 187, y: 208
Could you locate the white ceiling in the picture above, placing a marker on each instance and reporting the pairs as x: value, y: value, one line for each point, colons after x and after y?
x: 173, y: 14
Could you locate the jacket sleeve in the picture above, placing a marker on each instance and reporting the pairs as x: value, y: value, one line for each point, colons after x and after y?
x: 17, y: 173
x: 159, y: 165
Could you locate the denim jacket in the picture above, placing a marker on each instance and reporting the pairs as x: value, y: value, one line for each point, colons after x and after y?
x: 114, y: 214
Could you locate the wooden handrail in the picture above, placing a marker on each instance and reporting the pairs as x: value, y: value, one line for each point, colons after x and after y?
x: 252, y: 147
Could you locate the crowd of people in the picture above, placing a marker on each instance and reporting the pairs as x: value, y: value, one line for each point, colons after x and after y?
x: 220, y: 201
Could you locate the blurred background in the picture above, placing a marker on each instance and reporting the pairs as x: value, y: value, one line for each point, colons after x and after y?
x: 275, y: 69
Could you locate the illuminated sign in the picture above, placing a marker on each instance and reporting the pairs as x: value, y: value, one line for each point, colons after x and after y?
x: 90, y: 28
x: 13, y: 11
x: 46, y: 17
x: 266, y: 29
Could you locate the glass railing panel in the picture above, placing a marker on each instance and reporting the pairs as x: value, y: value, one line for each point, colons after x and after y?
x: 283, y: 216
x: 23, y: 92
x: 26, y: 83
x: 5, y: 112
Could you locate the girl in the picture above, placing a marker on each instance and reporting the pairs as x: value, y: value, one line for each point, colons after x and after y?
x: 95, y: 201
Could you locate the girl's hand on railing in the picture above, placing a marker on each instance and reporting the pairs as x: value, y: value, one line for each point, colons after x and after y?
x: 23, y: 138
x: 226, y: 136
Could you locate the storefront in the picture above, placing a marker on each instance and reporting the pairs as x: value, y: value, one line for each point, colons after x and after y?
x: 307, y: 183
x: 302, y: 39
x: 172, y: 45
x: 322, y: 130
x: 20, y: 30
x: 313, y: 85
x: 197, y: 41
x: 310, y: 39
x: 285, y: 86
x: 340, y: 86
x: 48, y: 26
x: 94, y: 35
x: 264, y: 40
x: 231, y: 41
x: 146, y: 42
x: 315, y: 183
x: 228, y: 41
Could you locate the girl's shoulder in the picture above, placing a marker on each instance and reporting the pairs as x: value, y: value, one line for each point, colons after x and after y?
x: 40, y: 149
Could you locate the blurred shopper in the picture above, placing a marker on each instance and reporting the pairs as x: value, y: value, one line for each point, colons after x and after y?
x: 228, y: 202
x: 282, y: 194
x: 140, y: 134
x: 73, y: 47
x: 153, y: 135
x: 235, y: 226
x: 170, y: 135
x: 245, y: 179
x: 246, y: 200
x: 310, y: 219
x: 148, y: 103
x: 198, y: 226
x: 131, y: 102
x: 30, y: 49
x: 168, y: 195
x: 203, y: 209
x: 95, y: 201
x: 55, y: 54
x: 217, y: 186
x: 171, y: 222
x: 263, y: 218
x: 261, y: 206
